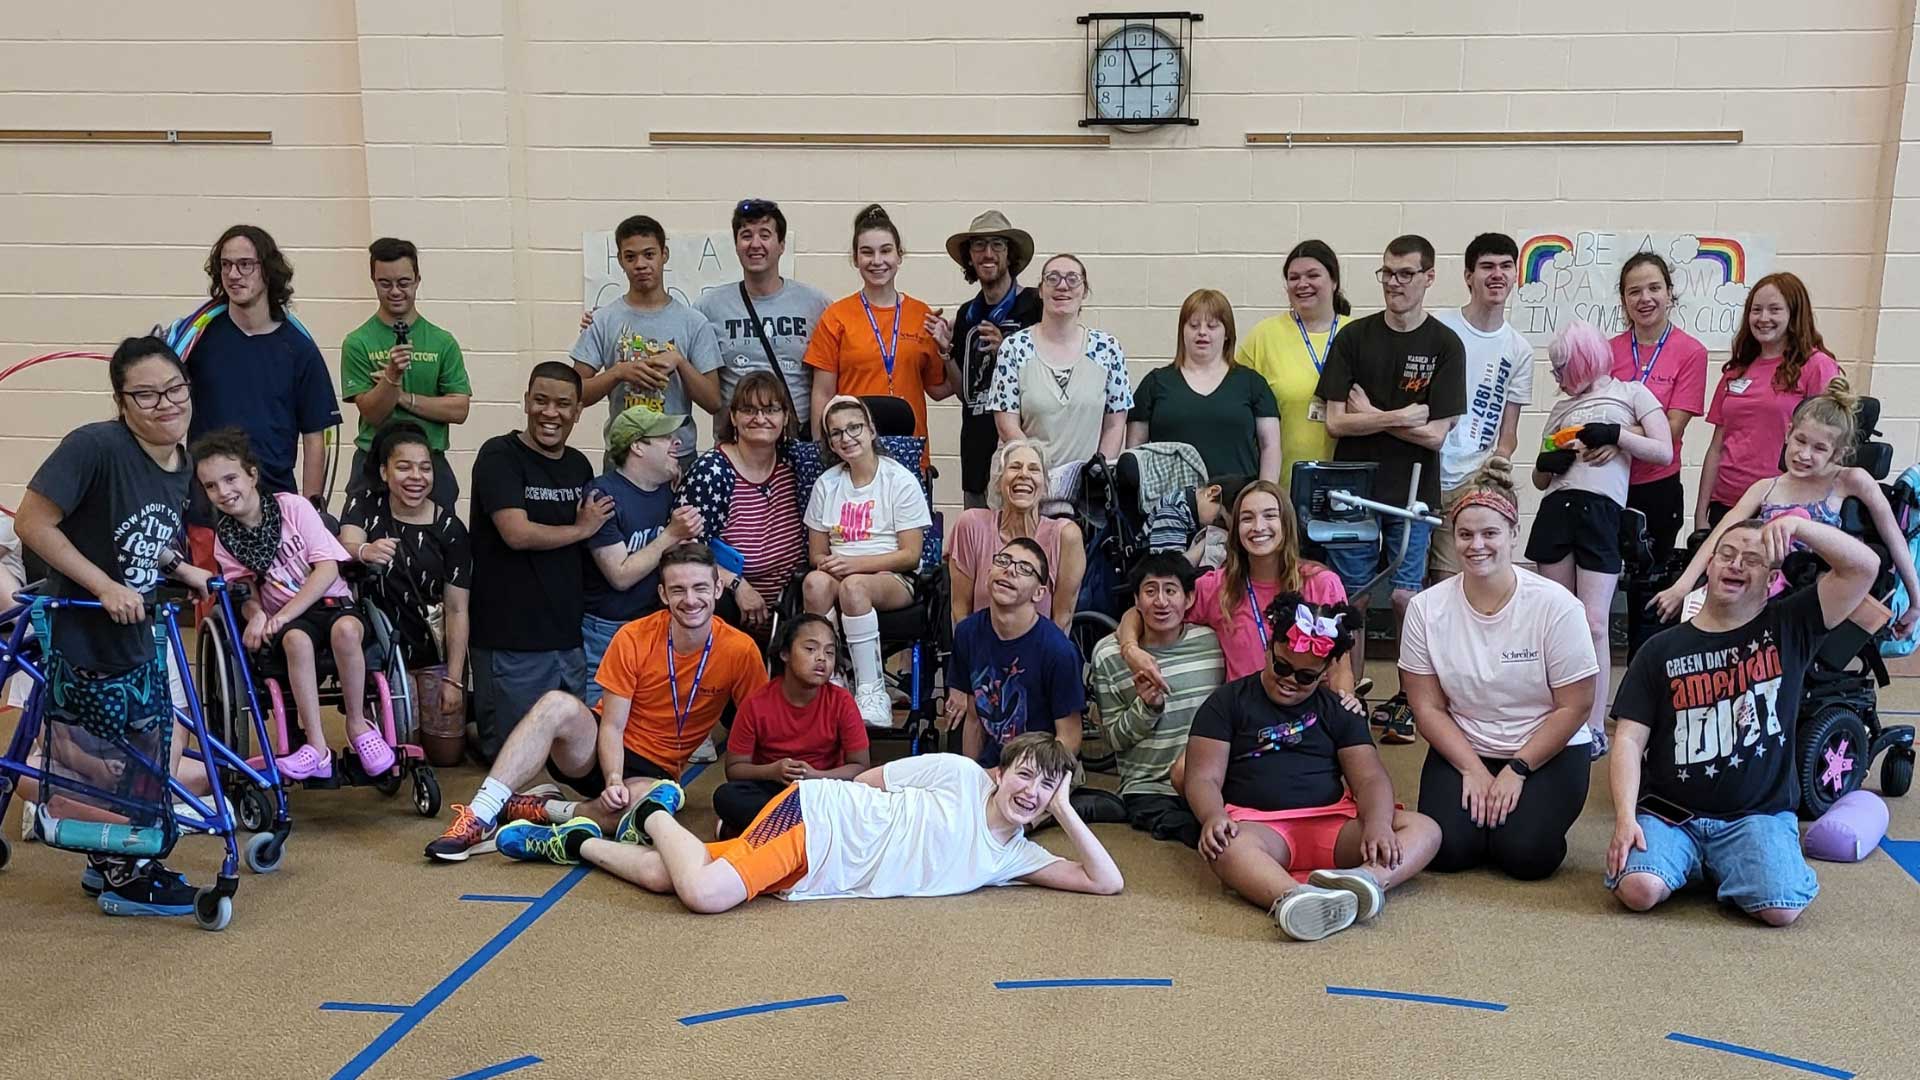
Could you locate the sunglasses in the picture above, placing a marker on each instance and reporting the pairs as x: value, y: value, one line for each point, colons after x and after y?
x: 1286, y: 672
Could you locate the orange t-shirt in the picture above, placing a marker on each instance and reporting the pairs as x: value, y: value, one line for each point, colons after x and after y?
x: 635, y: 668
x: 843, y: 343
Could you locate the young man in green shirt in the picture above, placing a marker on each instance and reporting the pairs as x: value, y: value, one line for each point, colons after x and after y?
x: 398, y: 366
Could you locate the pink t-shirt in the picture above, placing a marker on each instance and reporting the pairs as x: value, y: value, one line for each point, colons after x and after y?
x: 1240, y: 640
x: 1753, y: 417
x: 1678, y: 380
x: 975, y: 540
x: 304, y: 542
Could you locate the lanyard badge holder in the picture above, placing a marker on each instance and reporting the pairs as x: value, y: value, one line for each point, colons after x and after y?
x: 887, y: 353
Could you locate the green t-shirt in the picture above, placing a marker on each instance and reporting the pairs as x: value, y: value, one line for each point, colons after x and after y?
x: 437, y: 369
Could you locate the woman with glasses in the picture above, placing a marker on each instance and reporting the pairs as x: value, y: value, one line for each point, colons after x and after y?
x: 1289, y: 350
x: 1018, y: 485
x: 1499, y: 670
x: 1204, y: 399
x: 865, y: 522
x: 748, y: 499
x: 1058, y: 383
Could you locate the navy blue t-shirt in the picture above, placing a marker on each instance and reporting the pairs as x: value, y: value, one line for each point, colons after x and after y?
x: 638, y: 518
x: 1018, y: 686
x: 273, y: 386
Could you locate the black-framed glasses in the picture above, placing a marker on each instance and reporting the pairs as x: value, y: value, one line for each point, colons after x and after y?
x: 177, y: 393
x: 759, y: 410
x: 851, y: 433
x: 1020, y: 567
x: 1286, y: 672
x: 1054, y: 278
x: 1398, y: 277
x: 757, y: 208
x: 987, y: 243
x: 241, y: 266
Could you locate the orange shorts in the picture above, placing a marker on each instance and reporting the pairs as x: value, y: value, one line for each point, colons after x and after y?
x: 772, y: 854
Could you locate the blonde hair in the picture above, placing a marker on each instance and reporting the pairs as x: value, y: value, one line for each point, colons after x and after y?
x: 1209, y: 302
x: 1835, y: 408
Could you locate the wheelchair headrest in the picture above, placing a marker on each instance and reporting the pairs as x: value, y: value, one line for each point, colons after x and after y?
x: 1126, y: 480
x: 1320, y: 520
x: 891, y: 415
x: 1876, y: 458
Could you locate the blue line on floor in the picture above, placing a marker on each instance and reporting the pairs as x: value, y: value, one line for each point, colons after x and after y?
x: 501, y: 1069
x: 1424, y: 999
x: 771, y: 1006
x: 1905, y: 854
x: 494, y: 898
x: 1051, y: 984
x: 361, y: 1007
x: 1761, y: 1055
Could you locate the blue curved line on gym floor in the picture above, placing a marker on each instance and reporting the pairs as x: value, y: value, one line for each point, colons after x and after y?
x: 436, y: 997
x: 1905, y: 854
x: 1053, y: 984
x: 361, y: 1007
x: 496, y: 898
x: 1761, y: 1055
x: 766, y: 1007
x: 501, y: 1069
x: 1423, y: 999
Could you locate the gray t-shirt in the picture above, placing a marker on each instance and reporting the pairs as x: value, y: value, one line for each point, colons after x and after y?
x: 677, y: 324
x: 787, y: 318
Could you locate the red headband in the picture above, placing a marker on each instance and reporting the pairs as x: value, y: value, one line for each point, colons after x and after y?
x: 1493, y: 501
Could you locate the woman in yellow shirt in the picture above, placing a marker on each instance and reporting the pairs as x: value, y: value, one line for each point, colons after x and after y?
x: 1289, y: 350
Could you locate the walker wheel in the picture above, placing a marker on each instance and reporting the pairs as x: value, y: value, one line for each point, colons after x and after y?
x: 263, y: 853
x: 1896, y: 776
x: 6, y: 853
x: 387, y: 783
x: 426, y: 791
x: 211, y: 910
x: 253, y: 810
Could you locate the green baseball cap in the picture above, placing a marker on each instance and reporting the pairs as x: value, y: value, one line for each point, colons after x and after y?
x: 640, y: 422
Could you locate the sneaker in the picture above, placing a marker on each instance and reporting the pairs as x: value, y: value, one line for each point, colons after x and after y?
x: 1362, y: 688
x: 92, y: 881
x: 558, y: 844
x: 1309, y: 912
x: 1399, y: 730
x: 468, y: 835
x: 874, y: 705
x: 663, y: 795
x: 704, y: 753
x: 151, y: 889
x: 1360, y: 882
x: 530, y: 805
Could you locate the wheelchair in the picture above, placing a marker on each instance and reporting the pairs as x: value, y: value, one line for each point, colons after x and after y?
x: 230, y: 696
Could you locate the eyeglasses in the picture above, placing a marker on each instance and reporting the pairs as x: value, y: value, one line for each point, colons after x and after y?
x: 1020, y: 567
x: 1056, y: 279
x: 1286, y: 672
x: 1729, y: 555
x: 850, y: 433
x: 760, y: 410
x: 1398, y: 277
x: 177, y: 393
x: 243, y: 267
x: 753, y: 208
x: 987, y: 243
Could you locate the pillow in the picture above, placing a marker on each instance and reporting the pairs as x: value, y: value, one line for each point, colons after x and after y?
x: 1849, y: 830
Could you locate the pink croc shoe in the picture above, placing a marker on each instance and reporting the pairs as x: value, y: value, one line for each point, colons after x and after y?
x: 306, y: 763
x: 376, y: 757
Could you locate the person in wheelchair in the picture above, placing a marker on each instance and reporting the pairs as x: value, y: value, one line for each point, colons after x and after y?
x: 299, y: 603
x: 1194, y: 520
x: 1818, y: 481
x: 419, y: 562
x: 1012, y: 671
x: 865, y: 520
x: 1706, y: 721
x: 1018, y: 485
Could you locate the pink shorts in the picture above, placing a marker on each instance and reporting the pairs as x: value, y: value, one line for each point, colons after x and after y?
x: 1311, y: 832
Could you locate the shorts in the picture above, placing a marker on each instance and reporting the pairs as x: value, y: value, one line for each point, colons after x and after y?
x: 596, y: 634
x: 1583, y: 524
x: 1311, y: 833
x: 771, y: 856
x: 593, y: 783
x: 1754, y: 861
x: 317, y: 622
x: 1357, y: 565
x: 1443, y: 556
x: 506, y: 683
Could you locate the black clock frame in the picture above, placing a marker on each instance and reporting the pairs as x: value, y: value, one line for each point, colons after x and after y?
x: 1101, y: 24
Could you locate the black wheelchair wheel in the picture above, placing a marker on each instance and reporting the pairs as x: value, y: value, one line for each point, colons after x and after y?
x: 426, y: 791
x: 1896, y: 773
x: 1833, y: 758
x: 253, y: 810
x: 387, y: 783
x: 6, y: 853
x: 1086, y: 630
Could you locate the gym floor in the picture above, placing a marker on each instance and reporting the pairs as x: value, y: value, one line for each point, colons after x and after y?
x: 359, y: 959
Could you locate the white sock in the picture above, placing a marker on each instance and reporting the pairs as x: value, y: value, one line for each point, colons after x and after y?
x: 863, y: 645
x: 489, y: 799
x: 561, y: 810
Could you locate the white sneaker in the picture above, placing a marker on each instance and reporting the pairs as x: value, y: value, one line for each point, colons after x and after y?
x: 1309, y: 912
x: 1361, y: 883
x: 704, y: 753
x: 874, y: 705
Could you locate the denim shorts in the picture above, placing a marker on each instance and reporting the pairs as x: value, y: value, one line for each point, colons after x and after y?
x: 596, y: 634
x: 1357, y: 565
x: 1755, y: 860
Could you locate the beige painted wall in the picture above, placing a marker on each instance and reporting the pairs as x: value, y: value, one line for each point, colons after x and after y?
x: 493, y: 133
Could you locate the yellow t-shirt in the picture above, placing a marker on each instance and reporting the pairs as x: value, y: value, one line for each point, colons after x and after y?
x: 1276, y: 351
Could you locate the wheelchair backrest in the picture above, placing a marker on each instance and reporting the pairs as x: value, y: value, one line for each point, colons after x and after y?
x: 1147, y: 472
x: 809, y: 462
x: 1324, y: 523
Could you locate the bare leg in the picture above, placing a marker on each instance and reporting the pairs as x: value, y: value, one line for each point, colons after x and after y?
x: 305, y: 684
x: 817, y: 591
x: 1641, y: 891
x: 1255, y: 866
x: 559, y: 726
x: 707, y: 886
x: 861, y: 593
x: 1595, y: 591
x: 1419, y: 838
x: 350, y: 664
x: 639, y: 865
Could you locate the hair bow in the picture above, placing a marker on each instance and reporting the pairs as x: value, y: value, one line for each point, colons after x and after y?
x: 1309, y: 634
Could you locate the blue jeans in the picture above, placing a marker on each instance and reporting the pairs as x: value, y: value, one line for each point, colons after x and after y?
x: 596, y: 634
x: 1754, y: 860
x: 1357, y: 565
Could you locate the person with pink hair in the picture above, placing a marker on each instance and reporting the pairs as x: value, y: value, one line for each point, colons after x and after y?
x: 1596, y: 429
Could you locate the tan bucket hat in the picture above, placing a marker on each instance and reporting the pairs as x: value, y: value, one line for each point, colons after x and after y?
x: 993, y: 223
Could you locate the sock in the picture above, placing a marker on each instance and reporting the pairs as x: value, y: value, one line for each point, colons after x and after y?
x: 863, y: 644
x: 561, y: 810
x: 573, y: 842
x: 489, y: 799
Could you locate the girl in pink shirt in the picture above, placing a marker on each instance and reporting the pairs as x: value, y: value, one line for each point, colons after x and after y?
x: 1779, y: 360
x: 298, y: 601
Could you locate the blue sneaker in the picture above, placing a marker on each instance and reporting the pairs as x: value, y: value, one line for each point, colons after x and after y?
x: 92, y: 881
x: 529, y: 841
x: 147, y: 890
x: 663, y: 795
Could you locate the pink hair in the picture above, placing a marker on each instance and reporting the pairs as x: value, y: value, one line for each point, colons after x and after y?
x: 1580, y: 355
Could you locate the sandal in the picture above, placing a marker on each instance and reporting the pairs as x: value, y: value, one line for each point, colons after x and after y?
x: 376, y: 757
x: 1382, y: 714
x: 305, y: 763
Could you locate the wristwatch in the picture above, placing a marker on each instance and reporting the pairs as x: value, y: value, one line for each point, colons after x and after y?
x: 1520, y: 768
x: 734, y: 585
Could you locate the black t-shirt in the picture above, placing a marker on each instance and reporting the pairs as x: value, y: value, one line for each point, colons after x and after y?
x: 978, y: 437
x: 1220, y: 425
x: 427, y: 559
x: 122, y: 511
x: 526, y: 601
x: 1426, y: 365
x: 1723, y: 707
x: 1279, y: 757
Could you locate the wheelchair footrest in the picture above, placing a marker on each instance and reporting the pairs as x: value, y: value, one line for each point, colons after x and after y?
x: 105, y: 838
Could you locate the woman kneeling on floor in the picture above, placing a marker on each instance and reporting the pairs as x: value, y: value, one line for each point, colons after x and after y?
x: 1288, y: 784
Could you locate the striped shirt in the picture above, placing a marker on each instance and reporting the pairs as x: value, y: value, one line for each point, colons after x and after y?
x: 1146, y: 739
x: 763, y: 523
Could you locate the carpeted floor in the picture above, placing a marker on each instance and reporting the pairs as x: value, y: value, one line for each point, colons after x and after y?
x: 591, y: 977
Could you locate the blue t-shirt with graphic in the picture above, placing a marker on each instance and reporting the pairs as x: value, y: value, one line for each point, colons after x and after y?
x: 638, y: 517
x: 1018, y: 686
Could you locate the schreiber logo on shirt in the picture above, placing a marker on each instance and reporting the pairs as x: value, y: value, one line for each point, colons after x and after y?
x: 1520, y: 656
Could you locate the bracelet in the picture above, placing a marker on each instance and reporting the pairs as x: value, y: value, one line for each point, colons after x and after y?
x: 360, y: 552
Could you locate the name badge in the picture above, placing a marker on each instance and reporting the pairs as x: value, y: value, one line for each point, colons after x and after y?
x: 1739, y: 386
x: 1317, y: 411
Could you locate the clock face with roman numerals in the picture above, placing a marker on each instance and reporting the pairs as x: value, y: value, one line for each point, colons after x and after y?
x: 1139, y: 73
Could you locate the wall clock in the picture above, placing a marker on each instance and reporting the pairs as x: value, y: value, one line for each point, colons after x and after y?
x: 1139, y: 68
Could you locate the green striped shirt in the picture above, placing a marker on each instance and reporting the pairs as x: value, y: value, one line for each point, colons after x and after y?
x: 1146, y: 739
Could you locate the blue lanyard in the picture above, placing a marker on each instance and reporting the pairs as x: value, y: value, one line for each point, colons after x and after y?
x: 1634, y: 343
x: 887, y: 355
x: 673, y: 685
x: 1259, y: 620
x: 998, y: 311
x: 1313, y: 354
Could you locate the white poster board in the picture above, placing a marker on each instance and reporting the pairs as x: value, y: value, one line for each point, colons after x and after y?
x: 1566, y: 275
x: 696, y: 262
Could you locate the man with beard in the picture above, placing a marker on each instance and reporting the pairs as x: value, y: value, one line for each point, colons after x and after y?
x: 992, y: 252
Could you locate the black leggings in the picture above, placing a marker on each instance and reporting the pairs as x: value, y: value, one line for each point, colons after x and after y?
x: 737, y: 802
x: 1533, y: 842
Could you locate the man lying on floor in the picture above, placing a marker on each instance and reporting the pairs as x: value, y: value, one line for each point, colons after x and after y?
x: 932, y: 825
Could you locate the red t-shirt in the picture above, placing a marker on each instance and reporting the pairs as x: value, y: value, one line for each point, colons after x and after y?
x: 768, y: 727
x: 1678, y: 379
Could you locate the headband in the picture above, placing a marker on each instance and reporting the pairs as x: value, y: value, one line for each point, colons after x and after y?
x: 1493, y: 501
x: 1310, y: 634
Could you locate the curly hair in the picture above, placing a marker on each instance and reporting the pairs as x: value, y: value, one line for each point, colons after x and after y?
x: 274, y: 267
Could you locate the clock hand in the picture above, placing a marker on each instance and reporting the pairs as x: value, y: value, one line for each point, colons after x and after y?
x: 1149, y: 71
x: 1128, y: 53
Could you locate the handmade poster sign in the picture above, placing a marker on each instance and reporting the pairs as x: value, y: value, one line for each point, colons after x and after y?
x: 1576, y: 275
x: 697, y: 261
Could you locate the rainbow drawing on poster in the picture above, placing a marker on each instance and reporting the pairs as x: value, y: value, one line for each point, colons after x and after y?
x: 1539, y: 251
x: 1728, y: 254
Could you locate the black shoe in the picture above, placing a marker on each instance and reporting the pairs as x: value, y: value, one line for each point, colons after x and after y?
x: 150, y: 889
x: 1399, y: 730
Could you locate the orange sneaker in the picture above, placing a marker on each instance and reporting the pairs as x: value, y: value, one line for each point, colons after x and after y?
x: 530, y: 805
x: 466, y: 836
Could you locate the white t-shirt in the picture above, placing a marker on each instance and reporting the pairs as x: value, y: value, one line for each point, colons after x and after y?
x: 925, y: 835
x: 1499, y: 671
x: 1611, y: 401
x: 867, y: 520
x: 1499, y: 373
x: 10, y: 558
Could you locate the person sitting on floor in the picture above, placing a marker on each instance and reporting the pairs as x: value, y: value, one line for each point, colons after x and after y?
x: 1194, y: 520
x: 655, y: 710
x: 797, y: 727
x: 930, y: 825
x: 1287, y: 782
x: 1012, y: 671
x: 1146, y: 728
